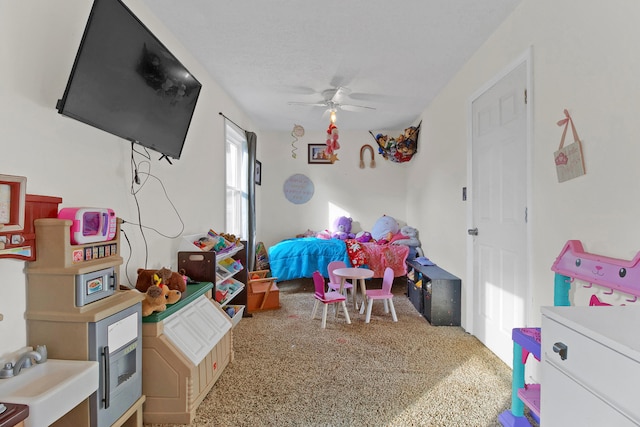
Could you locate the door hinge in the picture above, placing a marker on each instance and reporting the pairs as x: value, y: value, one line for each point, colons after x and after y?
x: 526, y: 215
x: 525, y: 97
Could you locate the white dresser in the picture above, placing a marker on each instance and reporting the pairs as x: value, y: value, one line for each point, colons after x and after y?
x: 598, y: 381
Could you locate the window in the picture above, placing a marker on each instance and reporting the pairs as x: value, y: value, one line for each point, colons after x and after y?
x: 237, y: 181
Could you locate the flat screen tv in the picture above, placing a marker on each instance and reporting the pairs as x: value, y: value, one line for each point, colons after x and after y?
x: 126, y: 82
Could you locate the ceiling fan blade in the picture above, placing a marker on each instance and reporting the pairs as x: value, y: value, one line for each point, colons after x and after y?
x: 350, y: 107
x: 340, y: 94
x: 309, y: 104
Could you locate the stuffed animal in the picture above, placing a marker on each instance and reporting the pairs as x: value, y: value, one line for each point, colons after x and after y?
x: 176, y: 282
x: 324, y: 234
x: 408, y: 236
x: 172, y: 279
x: 363, y: 237
x: 342, y: 228
x: 173, y: 296
x: 384, y: 229
x: 157, y: 297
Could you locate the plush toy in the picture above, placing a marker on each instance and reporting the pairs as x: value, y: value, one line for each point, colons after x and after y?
x: 324, y: 234
x: 308, y: 233
x: 172, y: 279
x: 173, y: 296
x: 176, y: 282
x: 384, y: 229
x: 363, y: 237
x: 408, y: 236
x: 342, y: 228
x: 157, y: 297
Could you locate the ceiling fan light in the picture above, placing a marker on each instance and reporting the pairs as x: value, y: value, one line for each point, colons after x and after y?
x: 332, y: 117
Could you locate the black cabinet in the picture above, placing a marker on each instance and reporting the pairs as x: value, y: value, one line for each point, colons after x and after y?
x: 415, y: 280
x: 439, y: 293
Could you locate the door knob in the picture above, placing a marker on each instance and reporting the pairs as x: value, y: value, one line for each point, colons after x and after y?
x: 472, y: 231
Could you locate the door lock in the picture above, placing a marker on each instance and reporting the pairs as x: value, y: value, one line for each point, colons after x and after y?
x: 472, y: 231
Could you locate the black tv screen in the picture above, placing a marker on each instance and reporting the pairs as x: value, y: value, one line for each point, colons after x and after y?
x: 126, y: 82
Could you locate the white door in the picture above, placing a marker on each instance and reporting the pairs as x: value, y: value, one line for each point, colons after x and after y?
x: 499, y: 212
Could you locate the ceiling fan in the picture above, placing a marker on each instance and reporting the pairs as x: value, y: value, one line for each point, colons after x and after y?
x: 333, y: 101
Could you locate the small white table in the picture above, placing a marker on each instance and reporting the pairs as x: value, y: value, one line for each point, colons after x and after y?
x: 355, y: 274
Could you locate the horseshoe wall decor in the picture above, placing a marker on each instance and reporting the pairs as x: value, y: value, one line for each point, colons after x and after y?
x: 362, y: 150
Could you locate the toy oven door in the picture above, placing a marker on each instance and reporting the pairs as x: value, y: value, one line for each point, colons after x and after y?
x: 94, y: 286
x: 116, y: 343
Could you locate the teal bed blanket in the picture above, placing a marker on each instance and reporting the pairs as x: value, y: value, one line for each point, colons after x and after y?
x: 297, y: 258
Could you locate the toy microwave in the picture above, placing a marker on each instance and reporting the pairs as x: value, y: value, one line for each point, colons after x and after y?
x: 90, y: 225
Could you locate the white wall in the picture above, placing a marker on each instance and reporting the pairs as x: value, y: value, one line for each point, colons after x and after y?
x: 87, y: 167
x: 364, y: 194
x: 585, y: 59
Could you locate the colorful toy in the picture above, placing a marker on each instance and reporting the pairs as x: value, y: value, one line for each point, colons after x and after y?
x: 324, y: 234
x: 157, y: 297
x: 611, y: 273
x: 573, y: 263
x: 408, y: 236
x: 342, y: 228
x: 384, y: 229
x: 401, y: 148
x: 363, y: 237
x: 172, y: 279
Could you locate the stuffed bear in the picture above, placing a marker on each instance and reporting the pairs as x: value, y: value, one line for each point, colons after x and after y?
x: 176, y: 281
x: 157, y: 297
x: 384, y: 229
x: 342, y: 228
x: 172, y: 279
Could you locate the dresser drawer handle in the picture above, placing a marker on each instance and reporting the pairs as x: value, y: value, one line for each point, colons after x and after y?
x: 561, y: 349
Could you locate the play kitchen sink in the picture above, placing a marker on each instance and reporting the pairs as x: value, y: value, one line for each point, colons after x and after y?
x: 50, y: 388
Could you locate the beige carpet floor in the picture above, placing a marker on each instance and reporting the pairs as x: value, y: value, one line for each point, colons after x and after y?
x: 287, y: 371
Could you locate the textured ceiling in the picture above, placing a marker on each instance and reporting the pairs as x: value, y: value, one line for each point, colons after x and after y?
x: 394, y: 56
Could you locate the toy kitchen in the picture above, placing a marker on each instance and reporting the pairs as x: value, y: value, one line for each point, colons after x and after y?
x: 74, y: 307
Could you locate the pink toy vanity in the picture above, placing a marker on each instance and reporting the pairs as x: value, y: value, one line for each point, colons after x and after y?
x: 590, y: 354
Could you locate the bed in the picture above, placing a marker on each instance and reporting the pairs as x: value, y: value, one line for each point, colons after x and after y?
x: 297, y: 258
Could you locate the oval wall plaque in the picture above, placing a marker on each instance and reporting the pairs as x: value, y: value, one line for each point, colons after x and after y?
x: 298, y: 189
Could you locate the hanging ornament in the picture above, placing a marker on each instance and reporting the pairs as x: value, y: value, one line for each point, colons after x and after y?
x: 332, y: 142
x: 297, y: 132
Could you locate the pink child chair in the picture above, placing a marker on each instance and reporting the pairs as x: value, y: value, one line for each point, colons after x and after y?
x: 326, y: 298
x: 334, y: 281
x: 383, y: 294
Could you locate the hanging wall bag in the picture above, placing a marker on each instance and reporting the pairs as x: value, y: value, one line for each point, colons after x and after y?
x: 569, y: 159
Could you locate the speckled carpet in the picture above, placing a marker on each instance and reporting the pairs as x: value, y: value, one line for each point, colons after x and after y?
x: 287, y: 371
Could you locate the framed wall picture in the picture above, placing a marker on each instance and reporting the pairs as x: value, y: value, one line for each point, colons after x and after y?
x: 318, y: 154
x: 258, y: 172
